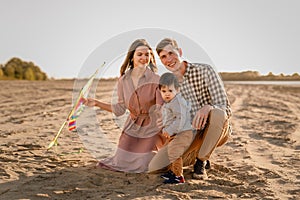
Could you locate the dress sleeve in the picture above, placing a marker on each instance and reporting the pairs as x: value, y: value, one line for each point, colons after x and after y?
x: 119, y: 107
x: 159, y: 99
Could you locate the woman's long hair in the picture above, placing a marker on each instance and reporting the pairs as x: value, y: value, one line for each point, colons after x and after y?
x: 128, y: 63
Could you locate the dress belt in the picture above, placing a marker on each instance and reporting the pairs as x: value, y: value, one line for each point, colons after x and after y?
x: 134, y: 117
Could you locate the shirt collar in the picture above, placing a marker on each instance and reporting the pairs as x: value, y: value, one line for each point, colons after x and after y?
x: 187, y: 70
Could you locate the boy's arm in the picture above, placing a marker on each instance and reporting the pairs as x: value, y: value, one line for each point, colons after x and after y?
x: 177, y: 119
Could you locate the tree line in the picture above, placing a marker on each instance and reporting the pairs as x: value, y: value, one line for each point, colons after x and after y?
x: 18, y: 69
x: 256, y: 76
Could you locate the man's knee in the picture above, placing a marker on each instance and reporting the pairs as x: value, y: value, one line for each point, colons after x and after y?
x: 217, y: 116
x: 220, y: 121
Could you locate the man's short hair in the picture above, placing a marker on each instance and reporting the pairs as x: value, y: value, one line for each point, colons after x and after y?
x: 163, y: 43
x: 168, y: 79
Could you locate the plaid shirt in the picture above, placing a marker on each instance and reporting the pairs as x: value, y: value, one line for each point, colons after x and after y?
x: 203, y: 86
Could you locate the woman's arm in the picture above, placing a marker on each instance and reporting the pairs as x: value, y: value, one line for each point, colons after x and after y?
x: 95, y: 102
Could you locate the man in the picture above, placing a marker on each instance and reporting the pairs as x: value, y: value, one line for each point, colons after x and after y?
x: 201, y: 85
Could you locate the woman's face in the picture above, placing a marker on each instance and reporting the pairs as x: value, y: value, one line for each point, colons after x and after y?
x: 141, y: 57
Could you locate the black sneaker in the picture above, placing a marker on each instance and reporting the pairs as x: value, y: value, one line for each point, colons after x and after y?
x: 167, y: 175
x: 199, y: 170
x: 174, y: 180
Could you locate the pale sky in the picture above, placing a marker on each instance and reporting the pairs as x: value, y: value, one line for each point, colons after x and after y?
x: 237, y: 35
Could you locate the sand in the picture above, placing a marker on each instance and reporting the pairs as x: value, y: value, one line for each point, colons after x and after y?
x: 260, y: 161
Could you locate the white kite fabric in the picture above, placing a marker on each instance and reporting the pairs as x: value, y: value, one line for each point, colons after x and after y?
x: 77, y: 108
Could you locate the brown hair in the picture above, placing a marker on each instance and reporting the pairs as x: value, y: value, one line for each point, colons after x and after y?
x: 128, y: 60
x: 163, y: 43
x: 168, y: 79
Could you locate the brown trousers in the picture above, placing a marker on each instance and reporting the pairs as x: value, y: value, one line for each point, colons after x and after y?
x: 184, y: 150
x: 215, y: 134
x: 170, y: 154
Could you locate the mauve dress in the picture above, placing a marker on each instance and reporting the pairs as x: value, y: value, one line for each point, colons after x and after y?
x: 140, y: 138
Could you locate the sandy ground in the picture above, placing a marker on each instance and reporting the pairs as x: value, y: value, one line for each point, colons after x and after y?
x: 261, y: 160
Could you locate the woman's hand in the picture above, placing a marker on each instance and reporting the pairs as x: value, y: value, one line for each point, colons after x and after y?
x: 201, y: 117
x: 159, y: 123
x: 89, y: 102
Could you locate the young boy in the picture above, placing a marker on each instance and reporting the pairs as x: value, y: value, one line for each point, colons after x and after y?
x: 176, y: 126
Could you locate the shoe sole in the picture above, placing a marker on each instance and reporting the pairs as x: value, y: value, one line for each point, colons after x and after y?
x: 174, y: 183
x: 166, y: 178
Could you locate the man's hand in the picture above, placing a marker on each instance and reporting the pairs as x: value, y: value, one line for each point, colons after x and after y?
x: 201, y: 116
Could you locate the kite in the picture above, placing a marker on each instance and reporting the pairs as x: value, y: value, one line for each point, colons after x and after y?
x: 77, y: 108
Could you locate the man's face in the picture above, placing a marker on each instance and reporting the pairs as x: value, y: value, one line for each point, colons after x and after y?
x: 169, y: 57
x: 168, y: 92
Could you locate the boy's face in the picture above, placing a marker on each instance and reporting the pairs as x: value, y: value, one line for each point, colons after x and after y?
x: 168, y: 92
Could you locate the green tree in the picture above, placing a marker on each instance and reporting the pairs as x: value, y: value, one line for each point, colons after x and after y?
x: 1, y: 70
x: 18, y: 71
x: 9, y: 70
x: 15, y: 68
x: 295, y: 75
x: 29, y: 74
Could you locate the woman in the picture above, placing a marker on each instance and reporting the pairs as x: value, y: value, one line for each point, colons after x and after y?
x: 137, y: 92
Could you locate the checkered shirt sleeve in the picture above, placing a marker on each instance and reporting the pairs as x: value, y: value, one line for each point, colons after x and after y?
x: 203, y: 86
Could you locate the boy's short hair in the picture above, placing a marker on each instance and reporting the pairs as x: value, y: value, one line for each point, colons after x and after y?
x: 168, y: 79
x: 163, y: 43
